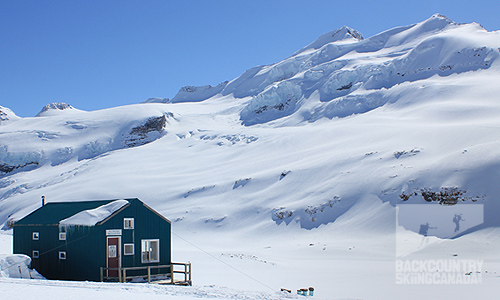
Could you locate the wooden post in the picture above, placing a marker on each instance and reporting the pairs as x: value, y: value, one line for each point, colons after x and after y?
x: 149, y: 274
x: 119, y: 274
x: 102, y: 274
x: 172, y: 274
x: 124, y: 277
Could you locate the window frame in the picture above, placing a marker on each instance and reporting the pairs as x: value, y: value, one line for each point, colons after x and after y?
x: 62, y: 255
x: 148, y: 244
x: 35, y: 235
x: 62, y: 236
x: 131, y: 220
x: 125, y: 249
x: 35, y: 254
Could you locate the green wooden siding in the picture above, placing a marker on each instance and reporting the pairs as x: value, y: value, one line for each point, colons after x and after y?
x: 85, y: 246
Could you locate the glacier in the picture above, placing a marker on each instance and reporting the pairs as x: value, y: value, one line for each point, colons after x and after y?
x: 350, y: 74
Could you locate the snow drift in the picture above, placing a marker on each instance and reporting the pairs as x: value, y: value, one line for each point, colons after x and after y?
x: 17, y: 266
x: 93, y: 216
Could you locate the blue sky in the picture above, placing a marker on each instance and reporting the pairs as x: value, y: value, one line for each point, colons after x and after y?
x: 100, y: 54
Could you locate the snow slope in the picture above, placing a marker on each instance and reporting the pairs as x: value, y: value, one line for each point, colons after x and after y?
x: 291, y: 174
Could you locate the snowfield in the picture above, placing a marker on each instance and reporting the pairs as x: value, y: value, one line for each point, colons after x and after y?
x: 296, y: 174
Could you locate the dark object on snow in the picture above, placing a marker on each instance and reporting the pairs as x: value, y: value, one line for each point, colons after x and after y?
x: 302, y: 292
x: 283, y: 174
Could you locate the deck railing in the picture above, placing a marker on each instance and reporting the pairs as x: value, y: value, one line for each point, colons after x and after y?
x: 153, y: 273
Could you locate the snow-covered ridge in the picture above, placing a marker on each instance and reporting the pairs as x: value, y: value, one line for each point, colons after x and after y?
x: 344, y: 34
x: 349, y: 74
x: 78, y: 135
x: 157, y: 100
x: 191, y: 93
x: 355, y: 77
x: 197, y: 93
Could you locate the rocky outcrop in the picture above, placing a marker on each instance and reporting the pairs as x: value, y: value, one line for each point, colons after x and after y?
x: 56, y: 106
x: 148, y: 132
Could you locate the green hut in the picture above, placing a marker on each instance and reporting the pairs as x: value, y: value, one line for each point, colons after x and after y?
x: 91, y: 240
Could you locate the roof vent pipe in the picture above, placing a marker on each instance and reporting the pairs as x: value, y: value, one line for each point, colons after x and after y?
x: 43, y: 200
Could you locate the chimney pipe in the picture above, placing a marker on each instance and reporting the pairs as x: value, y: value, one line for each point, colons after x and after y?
x: 43, y: 200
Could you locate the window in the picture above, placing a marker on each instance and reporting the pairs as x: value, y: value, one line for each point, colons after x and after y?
x: 35, y: 254
x: 62, y: 254
x: 128, y: 249
x: 150, y: 251
x: 62, y: 236
x: 36, y: 236
x: 128, y: 223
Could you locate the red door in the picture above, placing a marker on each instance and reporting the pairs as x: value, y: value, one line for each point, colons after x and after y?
x: 113, y: 255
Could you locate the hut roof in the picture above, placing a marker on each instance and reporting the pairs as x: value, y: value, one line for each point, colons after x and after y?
x: 87, y: 213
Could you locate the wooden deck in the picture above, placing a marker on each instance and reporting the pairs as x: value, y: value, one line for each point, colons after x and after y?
x: 153, y: 274
x: 176, y: 282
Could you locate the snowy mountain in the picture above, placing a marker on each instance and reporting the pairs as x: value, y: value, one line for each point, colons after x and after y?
x: 312, y: 153
x: 53, y: 109
x: 7, y: 115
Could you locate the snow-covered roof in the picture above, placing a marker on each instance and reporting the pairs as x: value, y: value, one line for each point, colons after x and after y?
x: 91, y: 217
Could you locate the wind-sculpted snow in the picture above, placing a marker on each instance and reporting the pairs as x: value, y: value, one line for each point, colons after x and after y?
x: 94, y: 148
x: 276, y: 102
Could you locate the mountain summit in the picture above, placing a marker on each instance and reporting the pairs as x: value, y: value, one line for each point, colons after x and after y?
x: 341, y: 73
x: 54, y: 109
x: 351, y: 75
x: 343, y: 34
